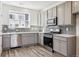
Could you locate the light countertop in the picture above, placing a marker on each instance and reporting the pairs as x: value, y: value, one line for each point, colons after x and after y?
x: 65, y: 35
x: 18, y: 33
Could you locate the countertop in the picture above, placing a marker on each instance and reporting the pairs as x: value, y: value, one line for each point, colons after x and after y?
x: 18, y: 33
x: 65, y: 35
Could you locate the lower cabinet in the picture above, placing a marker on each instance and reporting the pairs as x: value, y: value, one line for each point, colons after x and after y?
x: 19, y: 40
x: 6, y: 42
x: 40, y: 38
x: 10, y: 41
x: 65, y: 45
x: 29, y: 38
x: 56, y: 45
x: 0, y: 45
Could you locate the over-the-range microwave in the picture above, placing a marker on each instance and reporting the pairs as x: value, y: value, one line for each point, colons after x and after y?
x: 52, y: 22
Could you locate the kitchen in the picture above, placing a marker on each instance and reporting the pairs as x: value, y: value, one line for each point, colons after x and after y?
x: 54, y: 28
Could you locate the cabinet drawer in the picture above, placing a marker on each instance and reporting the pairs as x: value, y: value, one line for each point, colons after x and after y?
x: 28, y: 35
x: 6, y: 36
x: 60, y: 38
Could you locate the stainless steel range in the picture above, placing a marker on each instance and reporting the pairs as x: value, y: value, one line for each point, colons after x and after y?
x: 48, y: 38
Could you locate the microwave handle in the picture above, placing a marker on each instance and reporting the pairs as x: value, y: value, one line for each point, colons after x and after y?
x: 56, y: 20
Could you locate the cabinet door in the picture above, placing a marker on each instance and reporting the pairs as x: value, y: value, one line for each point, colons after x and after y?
x: 56, y: 45
x: 75, y: 7
x: 40, y: 41
x: 24, y: 40
x: 28, y: 38
x: 44, y: 20
x: 68, y: 19
x: 6, y: 42
x: 60, y: 14
x: 0, y: 43
x: 50, y: 13
x: 63, y: 47
x: 54, y: 12
x: 19, y: 40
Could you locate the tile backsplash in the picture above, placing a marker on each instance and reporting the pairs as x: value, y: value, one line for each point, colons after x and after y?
x: 69, y: 29
x: 65, y: 29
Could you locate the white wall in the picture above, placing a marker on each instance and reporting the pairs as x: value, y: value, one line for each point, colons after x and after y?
x: 7, y: 8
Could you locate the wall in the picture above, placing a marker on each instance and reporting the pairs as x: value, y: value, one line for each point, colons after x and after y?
x: 77, y: 34
x: 7, y: 8
x: 0, y: 32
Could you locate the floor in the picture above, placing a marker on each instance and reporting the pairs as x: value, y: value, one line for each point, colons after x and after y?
x: 31, y: 51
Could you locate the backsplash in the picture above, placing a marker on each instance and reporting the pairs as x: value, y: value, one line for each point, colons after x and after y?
x: 69, y: 29
x: 65, y: 29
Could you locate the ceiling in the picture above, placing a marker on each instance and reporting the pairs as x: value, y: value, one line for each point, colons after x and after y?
x: 38, y: 5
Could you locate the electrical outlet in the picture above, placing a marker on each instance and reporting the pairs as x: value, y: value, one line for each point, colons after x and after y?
x: 67, y: 28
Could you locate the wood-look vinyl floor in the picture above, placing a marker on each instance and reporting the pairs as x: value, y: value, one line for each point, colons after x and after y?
x: 31, y: 51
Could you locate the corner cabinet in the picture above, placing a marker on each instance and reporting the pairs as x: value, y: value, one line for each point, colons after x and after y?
x: 75, y: 7
x: 65, y: 45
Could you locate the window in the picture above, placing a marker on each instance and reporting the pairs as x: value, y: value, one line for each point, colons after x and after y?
x: 19, y: 20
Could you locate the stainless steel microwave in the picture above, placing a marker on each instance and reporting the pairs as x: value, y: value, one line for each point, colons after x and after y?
x: 52, y: 22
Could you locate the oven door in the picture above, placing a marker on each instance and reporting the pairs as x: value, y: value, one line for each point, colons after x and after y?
x: 48, y: 40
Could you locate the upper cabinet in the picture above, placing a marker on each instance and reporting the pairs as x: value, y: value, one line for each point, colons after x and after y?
x: 68, y: 14
x: 75, y: 7
x: 51, y: 13
x: 54, y: 12
x: 60, y: 14
x: 64, y: 14
x: 43, y: 18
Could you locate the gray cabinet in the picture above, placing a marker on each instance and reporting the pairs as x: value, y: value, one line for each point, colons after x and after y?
x: 64, y: 14
x: 0, y: 45
x: 54, y: 12
x: 40, y: 38
x: 6, y: 42
x: 64, y: 45
x: 56, y: 45
x: 51, y: 13
x: 44, y: 19
x: 68, y: 15
x: 75, y: 7
x: 19, y: 40
x: 69, y: 18
x: 60, y: 14
x: 29, y: 38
